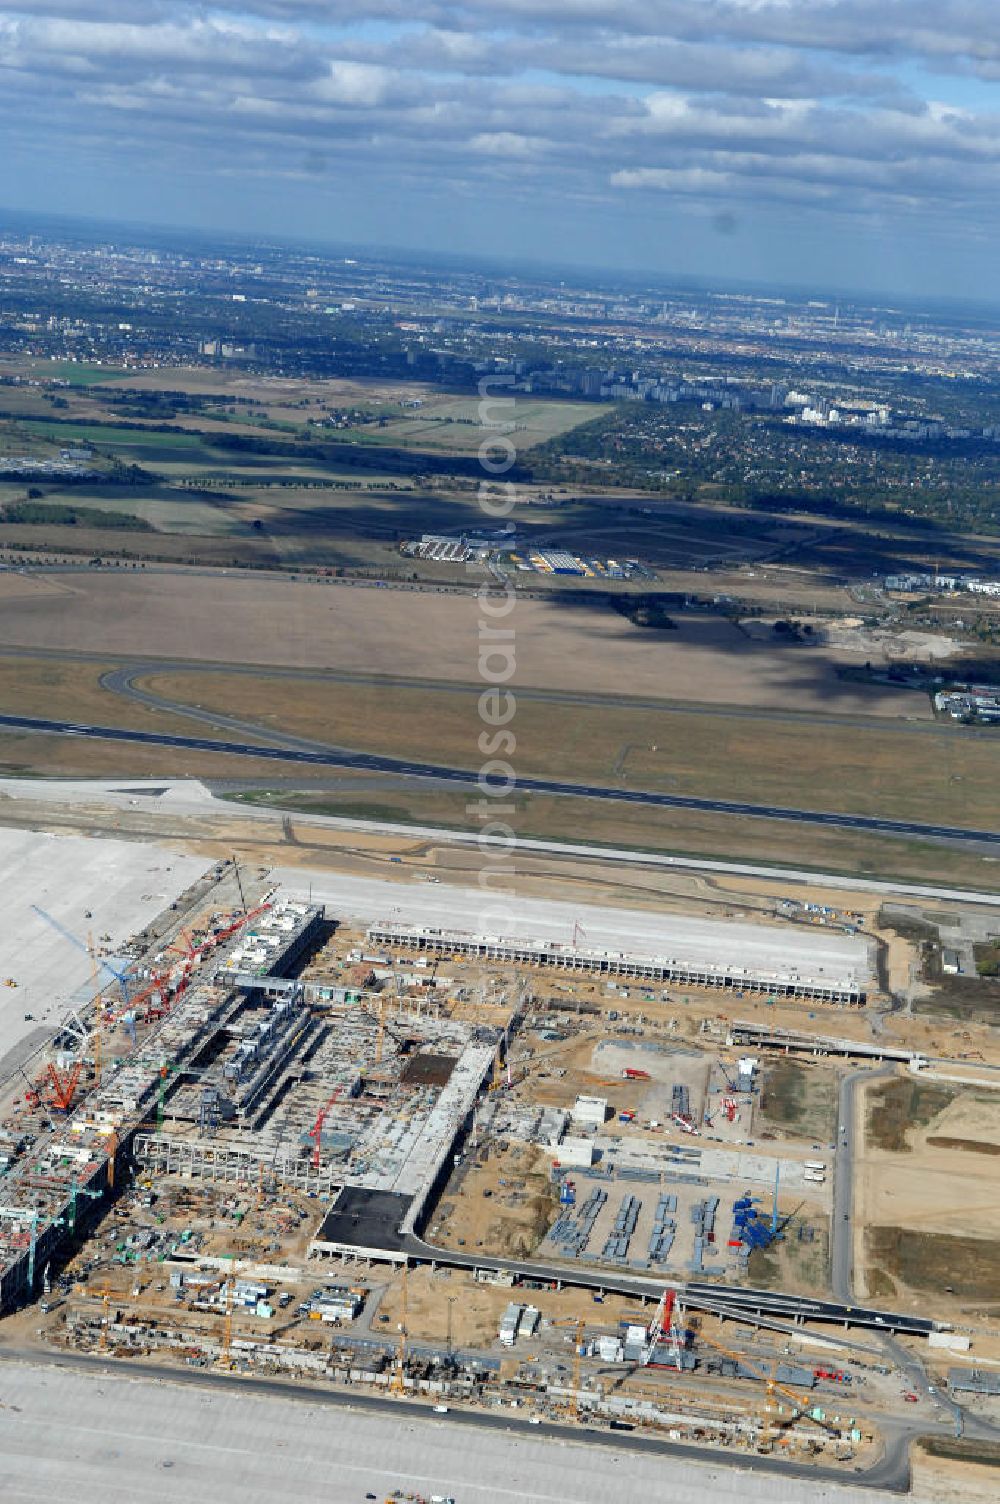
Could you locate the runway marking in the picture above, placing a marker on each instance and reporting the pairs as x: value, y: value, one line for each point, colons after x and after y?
x: 165, y: 1443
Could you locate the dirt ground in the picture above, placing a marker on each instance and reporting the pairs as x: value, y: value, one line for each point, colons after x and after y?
x: 929, y: 1204
x: 234, y: 618
x: 797, y: 1264
x: 503, y: 1206
x: 476, y: 1309
x: 799, y: 1097
x: 939, y: 1480
x: 733, y: 838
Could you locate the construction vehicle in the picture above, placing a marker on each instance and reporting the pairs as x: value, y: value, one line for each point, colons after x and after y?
x: 63, y: 1085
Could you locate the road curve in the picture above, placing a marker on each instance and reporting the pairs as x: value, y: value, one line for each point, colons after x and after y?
x: 370, y: 762
x: 147, y: 667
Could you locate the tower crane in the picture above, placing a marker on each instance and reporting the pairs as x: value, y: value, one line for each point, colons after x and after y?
x: 376, y: 1010
x: 574, y: 1404
x: 227, y: 1326
x: 664, y: 1327
x: 397, y: 1384
x: 76, y: 1190
x: 501, y: 1077
x: 580, y: 1328
x: 105, y: 1321
x: 112, y: 1152
x: 118, y: 975
x: 28, y: 1237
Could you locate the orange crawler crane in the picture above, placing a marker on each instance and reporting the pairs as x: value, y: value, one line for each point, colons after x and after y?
x: 63, y: 1085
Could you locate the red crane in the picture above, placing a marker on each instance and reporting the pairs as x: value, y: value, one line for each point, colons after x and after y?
x: 316, y: 1131
x: 63, y: 1084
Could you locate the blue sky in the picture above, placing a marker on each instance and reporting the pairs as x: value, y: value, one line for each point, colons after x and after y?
x: 837, y: 142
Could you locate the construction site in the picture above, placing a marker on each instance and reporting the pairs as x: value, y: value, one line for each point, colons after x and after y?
x: 279, y: 1142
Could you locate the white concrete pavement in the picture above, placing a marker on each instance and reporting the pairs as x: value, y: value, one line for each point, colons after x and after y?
x: 100, y: 885
x: 815, y: 953
x: 189, y: 796
x: 110, y: 1439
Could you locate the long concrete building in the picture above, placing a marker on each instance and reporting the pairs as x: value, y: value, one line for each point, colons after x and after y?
x: 846, y: 984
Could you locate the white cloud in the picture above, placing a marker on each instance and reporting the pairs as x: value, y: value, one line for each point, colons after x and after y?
x: 503, y: 144
x: 771, y: 100
x: 354, y: 84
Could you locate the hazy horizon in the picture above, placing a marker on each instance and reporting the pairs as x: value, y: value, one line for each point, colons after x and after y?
x: 580, y: 273
x: 829, y: 144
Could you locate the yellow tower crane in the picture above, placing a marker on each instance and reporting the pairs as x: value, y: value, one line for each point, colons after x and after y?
x: 772, y: 1387
x: 397, y: 1384
x: 580, y: 1330
x: 574, y: 1404
x: 225, y: 1358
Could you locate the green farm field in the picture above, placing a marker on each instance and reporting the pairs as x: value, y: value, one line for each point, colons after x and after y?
x: 457, y: 423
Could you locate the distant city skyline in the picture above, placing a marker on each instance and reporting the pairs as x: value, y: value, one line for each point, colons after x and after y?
x: 830, y: 144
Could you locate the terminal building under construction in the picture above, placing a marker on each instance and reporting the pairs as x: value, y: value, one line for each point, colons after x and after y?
x: 61, y: 1182
x: 243, y: 1072
x: 847, y: 987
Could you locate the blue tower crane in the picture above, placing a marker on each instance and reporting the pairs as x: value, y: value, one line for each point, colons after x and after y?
x: 119, y: 975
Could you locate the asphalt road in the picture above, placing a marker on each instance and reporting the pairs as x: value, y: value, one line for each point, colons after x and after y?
x: 842, y: 1239
x: 146, y: 667
x: 437, y: 773
x: 736, y: 1297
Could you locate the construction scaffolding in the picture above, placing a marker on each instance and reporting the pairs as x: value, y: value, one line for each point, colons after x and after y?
x: 66, y: 1177
x: 242, y: 1164
x: 847, y: 990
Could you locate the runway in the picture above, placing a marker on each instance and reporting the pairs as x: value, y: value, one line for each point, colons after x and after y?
x: 190, y: 796
x: 441, y: 774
